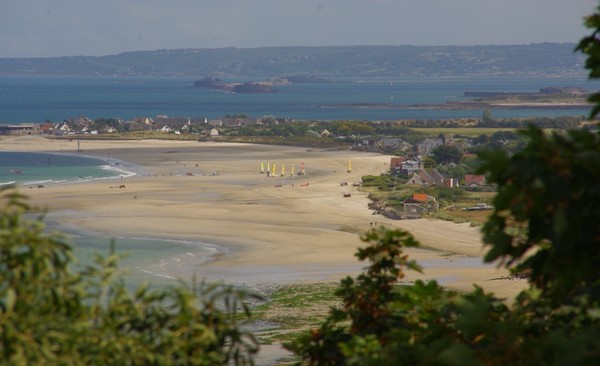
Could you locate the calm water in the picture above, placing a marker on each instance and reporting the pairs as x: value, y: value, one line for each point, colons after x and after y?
x: 43, y: 168
x: 157, y: 261
x: 36, y: 99
x: 154, y: 260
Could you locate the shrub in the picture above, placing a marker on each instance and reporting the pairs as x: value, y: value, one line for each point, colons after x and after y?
x: 52, y: 315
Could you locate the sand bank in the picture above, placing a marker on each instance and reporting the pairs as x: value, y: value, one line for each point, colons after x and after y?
x: 277, y: 229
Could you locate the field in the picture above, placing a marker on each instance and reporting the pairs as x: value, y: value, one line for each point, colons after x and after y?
x: 463, y: 131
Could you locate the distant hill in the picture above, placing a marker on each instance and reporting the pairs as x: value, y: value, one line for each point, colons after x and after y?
x: 544, y: 59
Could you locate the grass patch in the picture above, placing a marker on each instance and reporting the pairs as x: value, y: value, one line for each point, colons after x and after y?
x: 292, y: 309
x: 464, y: 131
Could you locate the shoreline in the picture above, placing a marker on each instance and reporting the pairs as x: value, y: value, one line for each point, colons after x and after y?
x: 276, y: 229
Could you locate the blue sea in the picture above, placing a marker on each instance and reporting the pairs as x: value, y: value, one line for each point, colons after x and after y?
x: 37, y: 99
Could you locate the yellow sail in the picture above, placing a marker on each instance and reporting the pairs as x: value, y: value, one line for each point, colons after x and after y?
x: 282, y: 170
x: 274, y: 170
x: 349, y: 167
x: 292, y: 173
x: 262, y: 167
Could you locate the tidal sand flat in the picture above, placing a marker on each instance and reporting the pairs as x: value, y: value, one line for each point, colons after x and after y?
x: 274, y: 229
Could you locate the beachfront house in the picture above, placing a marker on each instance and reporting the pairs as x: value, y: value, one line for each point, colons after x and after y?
x: 419, y: 204
x: 20, y: 129
x: 165, y: 129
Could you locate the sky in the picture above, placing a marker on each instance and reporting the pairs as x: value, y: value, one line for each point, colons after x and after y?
x: 50, y: 28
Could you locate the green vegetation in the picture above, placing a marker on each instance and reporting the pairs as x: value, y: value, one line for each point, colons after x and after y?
x: 50, y: 314
x: 293, y: 309
x: 539, y: 229
x: 462, y: 131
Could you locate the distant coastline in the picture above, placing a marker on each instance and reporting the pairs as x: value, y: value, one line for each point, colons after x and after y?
x: 533, y: 60
x: 547, y: 98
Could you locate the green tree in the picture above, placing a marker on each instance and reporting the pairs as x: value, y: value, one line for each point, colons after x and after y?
x: 590, y: 46
x: 548, y: 195
x: 50, y: 314
x: 542, y: 228
x: 481, y: 139
x: 486, y: 117
x: 447, y: 154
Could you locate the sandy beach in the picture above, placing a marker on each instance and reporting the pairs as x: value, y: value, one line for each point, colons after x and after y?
x: 273, y: 229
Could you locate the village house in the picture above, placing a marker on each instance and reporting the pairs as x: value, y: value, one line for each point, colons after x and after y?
x: 108, y: 129
x: 474, y: 180
x: 141, y: 124
x: 391, y: 144
x: 181, y: 124
x: 165, y: 129
x: 215, y: 123
x: 405, y: 165
x: 427, y: 177
x: 419, y: 204
x: 238, y: 122
x: 425, y: 148
x: 61, y: 129
x: 282, y: 120
x: 47, y: 128
x: 366, y: 144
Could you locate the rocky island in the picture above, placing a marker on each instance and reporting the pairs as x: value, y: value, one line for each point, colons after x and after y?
x: 267, y: 86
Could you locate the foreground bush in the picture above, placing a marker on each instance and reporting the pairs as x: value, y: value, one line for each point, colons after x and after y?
x: 50, y: 314
x: 542, y: 227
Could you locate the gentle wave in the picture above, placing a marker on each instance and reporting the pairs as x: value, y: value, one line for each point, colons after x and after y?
x: 60, y: 168
x: 122, y: 172
x: 211, y: 248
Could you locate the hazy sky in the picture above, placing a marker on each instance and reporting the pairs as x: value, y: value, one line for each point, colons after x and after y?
x: 39, y: 28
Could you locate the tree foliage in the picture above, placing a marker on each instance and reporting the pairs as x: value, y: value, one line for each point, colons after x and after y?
x: 445, y: 154
x: 50, y: 314
x: 542, y: 227
x: 547, y: 198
